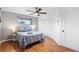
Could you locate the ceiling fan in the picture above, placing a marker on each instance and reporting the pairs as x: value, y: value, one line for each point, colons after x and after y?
x: 37, y: 11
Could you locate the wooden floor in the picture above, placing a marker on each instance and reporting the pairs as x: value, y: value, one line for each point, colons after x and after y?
x: 48, y: 45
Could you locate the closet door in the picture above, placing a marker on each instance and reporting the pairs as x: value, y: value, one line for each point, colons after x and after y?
x: 71, y: 29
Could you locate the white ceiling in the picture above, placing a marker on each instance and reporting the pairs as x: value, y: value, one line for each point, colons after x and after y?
x: 22, y: 10
x: 19, y: 10
x: 67, y: 9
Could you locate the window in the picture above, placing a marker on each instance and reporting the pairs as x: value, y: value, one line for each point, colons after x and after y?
x: 25, y: 21
x: 24, y: 24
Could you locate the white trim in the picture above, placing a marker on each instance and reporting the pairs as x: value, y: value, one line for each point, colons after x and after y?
x: 4, y: 40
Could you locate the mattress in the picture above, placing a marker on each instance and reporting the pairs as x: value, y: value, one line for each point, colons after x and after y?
x: 26, y: 38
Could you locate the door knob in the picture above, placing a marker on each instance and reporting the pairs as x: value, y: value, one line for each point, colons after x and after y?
x: 62, y: 30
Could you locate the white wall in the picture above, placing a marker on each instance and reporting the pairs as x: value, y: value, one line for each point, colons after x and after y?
x: 48, y: 24
x: 71, y: 27
x: 11, y: 19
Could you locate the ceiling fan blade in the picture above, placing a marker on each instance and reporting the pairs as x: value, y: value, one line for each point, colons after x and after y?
x: 42, y: 12
x: 32, y: 13
x: 38, y: 9
x: 30, y: 10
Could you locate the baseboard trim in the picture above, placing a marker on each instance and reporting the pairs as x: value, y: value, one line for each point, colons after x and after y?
x: 4, y: 40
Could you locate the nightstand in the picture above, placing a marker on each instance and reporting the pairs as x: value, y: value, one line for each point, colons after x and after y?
x: 12, y: 36
x: 13, y: 31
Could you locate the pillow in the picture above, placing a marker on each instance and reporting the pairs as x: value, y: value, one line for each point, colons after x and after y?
x: 28, y: 28
x: 24, y: 28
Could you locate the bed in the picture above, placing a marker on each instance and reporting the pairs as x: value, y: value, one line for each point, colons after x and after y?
x: 26, y: 38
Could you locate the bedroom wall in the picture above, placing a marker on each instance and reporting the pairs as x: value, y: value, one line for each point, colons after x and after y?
x: 11, y: 19
x: 48, y: 24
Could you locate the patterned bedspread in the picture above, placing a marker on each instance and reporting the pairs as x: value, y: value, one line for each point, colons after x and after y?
x: 26, y: 38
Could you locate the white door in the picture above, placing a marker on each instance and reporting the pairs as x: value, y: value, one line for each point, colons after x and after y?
x: 71, y: 30
x: 60, y: 31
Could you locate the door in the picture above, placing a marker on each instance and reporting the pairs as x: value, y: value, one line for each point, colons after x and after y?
x: 71, y: 30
